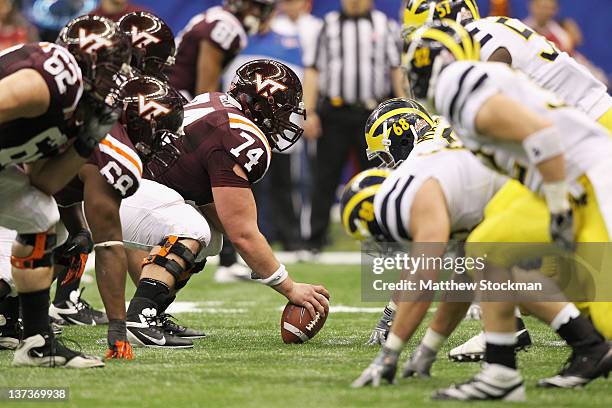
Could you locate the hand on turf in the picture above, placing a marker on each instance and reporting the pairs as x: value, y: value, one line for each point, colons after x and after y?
x: 383, y: 366
x: 420, y: 362
x: 381, y: 330
x: 314, y: 298
x: 562, y: 230
x: 121, y: 350
x: 118, y: 346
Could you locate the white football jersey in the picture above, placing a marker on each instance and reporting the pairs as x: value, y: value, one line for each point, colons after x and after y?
x: 464, y: 86
x: 538, y: 58
x: 467, y: 185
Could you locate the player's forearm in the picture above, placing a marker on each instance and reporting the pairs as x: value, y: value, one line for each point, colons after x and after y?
x: 73, y: 218
x: 398, y: 82
x: 311, y: 89
x: 53, y: 174
x: 256, y: 252
x: 111, y: 266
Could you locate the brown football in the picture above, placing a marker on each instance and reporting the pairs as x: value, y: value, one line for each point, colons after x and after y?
x: 297, y: 326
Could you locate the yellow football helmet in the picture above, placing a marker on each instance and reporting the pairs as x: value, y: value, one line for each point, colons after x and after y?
x: 393, y: 128
x: 434, y: 46
x: 357, y: 205
x: 418, y: 12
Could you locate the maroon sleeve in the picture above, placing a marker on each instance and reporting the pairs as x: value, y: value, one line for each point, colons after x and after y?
x: 62, y: 75
x: 223, y: 34
x: 221, y: 171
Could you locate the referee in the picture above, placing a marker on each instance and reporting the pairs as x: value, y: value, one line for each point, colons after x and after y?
x: 354, y: 66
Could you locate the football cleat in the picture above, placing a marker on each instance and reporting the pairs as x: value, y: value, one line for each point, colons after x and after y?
x: 232, y: 273
x: 99, y: 317
x: 169, y: 326
x: 144, y: 331
x: 473, y: 350
x: 56, y: 329
x: 10, y: 333
x: 580, y: 369
x: 494, y: 382
x: 47, y: 351
x: 74, y: 311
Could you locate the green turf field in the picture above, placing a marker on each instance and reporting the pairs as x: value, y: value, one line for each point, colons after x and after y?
x: 243, y: 362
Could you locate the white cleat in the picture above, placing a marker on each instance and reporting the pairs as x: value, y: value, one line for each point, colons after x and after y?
x: 232, y: 273
x: 471, y: 351
x: 493, y: 383
x: 39, y: 351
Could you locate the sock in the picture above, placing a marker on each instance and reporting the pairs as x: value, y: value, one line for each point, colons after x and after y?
x: 576, y: 330
x: 433, y: 340
x: 9, y: 308
x: 35, y: 312
x: 392, y: 306
x: 227, y: 256
x: 150, y: 293
x: 394, y: 342
x: 501, y: 349
x: 62, y: 292
x: 520, y: 324
x: 5, y: 290
x: 165, y: 303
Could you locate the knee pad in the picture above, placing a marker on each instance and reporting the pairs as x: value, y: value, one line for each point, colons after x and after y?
x: 41, y: 256
x: 170, y: 245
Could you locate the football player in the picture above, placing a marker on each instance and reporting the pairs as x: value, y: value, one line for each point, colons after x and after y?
x: 52, y: 95
x: 228, y: 141
x: 153, y: 51
x: 482, y: 102
x: 391, y: 132
x: 206, y: 46
x: 510, y: 41
x: 437, y: 194
x: 211, y: 40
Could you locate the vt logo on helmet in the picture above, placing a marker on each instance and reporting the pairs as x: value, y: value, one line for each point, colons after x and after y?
x: 270, y: 94
x: 393, y: 129
x: 419, y: 12
x: 153, y: 115
x: 431, y: 48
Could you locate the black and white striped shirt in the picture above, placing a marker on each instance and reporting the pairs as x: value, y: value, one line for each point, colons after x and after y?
x: 354, y: 56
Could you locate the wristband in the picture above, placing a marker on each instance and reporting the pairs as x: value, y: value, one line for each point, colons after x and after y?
x: 276, y: 278
x: 556, y: 196
x: 543, y: 145
x: 108, y: 244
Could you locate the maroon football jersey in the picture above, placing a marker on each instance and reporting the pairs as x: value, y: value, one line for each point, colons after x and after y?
x: 118, y: 162
x: 216, y: 25
x: 217, y: 137
x: 26, y: 140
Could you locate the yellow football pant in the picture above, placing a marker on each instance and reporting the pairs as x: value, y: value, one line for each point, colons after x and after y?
x: 516, y: 214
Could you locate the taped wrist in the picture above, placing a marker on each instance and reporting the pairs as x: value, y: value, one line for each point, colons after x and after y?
x: 170, y: 245
x: 543, y: 145
x: 116, y: 331
x: 275, y: 279
x: 556, y: 196
x: 42, y: 254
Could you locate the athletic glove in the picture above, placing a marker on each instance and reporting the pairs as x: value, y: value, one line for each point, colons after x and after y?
x: 118, y: 346
x: 73, y: 255
x: 383, y: 366
x: 420, y: 362
x: 381, y: 330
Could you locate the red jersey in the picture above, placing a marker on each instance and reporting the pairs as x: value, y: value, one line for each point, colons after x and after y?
x: 26, y: 140
x: 217, y: 137
x: 118, y: 162
x: 217, y: 26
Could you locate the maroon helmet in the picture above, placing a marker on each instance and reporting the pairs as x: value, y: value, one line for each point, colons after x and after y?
x: 251, y: 13
x: 102, y: 52
x: 153, y: 46
x: 153, y: 115
x: 270, y: 94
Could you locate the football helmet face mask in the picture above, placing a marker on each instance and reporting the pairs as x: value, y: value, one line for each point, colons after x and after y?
x: 153, y: 115
x: 393, y: 129
x: 103, y: 53
x: 431, y: 48
x: 419, y: 12
x: 357, y: 206
x: 153, y: 46
x: 252, y: 13
x: 270, y: 94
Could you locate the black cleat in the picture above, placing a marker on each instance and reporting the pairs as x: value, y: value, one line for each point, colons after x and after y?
x: 473, y: 350
x: 169, y: 326
x: 494, y: 383
x: 47, y: 351
x: 581, y: 368
x: 144, y: 331
x: 10, y: 333
x: 73, y: 311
